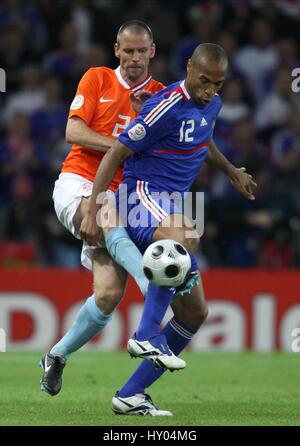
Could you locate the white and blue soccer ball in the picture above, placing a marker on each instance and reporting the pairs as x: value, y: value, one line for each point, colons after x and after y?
x: 166, y: 263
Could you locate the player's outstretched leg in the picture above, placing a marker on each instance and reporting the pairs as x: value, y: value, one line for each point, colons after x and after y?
x: 190, y: 311
x: 148, y: 342
x: 89, y: 321
x: 109, y: 281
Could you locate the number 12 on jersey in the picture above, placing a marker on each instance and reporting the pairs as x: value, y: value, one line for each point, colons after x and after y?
x: 187, y: 127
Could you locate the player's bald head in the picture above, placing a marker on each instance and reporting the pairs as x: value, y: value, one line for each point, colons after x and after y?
x: 206, y: 72
x: 210, y: 53
x: 134, y: 48
x: 134, y: 27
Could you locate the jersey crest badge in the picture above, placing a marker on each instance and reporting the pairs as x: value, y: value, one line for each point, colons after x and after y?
x: 78, y: 102
x: 137, y: 132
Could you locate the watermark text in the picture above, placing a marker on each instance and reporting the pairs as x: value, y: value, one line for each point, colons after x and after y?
x: 144, y: 209
x: 2, y: 80
x: 2, y: 340
x: 295, y: 346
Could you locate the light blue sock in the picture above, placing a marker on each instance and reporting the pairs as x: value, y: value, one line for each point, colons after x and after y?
x: 126, y: 254
x: 89, y: 321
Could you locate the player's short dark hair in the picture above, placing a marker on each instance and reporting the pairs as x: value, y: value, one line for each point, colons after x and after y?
x: 136, y: 26
x: 212, y: 52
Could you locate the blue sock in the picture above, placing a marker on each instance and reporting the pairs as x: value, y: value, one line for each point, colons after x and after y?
x: 89, y: 321
x: 125, y: 253
x: 157, y: 300
x: 178, y: 336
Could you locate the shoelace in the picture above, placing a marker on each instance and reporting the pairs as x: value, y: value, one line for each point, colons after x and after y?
x: 160, y: 343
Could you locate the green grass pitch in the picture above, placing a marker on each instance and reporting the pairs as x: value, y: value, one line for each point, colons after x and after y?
x: 214, y: 389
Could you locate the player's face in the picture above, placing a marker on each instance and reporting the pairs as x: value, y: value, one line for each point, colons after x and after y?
x: 134, y: 51
x: 204, y: 79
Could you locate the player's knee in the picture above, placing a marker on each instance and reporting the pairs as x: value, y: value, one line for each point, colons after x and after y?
x: 202, y: 314
x: 195, y: 317
x: 107, y: 298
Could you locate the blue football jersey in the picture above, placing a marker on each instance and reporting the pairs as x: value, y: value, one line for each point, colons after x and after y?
x: 170, y: 139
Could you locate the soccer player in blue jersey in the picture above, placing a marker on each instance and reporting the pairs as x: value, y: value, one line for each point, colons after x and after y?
x: 163, y: 150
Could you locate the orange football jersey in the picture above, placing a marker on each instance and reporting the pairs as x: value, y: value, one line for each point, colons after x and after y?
x: 102, y: 101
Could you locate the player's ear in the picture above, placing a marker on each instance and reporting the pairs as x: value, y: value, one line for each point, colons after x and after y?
x: 189, y: 66
x: 152, y: 50
x: 117, y: 50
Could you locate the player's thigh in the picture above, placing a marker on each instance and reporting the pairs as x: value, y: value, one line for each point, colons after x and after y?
x: 109, y: 280
x: 191, y: 308
x: 81, y: 211
x: 175, y: 227
x: 109, y: 216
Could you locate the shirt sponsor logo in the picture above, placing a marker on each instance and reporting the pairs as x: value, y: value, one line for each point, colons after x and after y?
x: 106, y: 100
x: 137, y: 132
x: 78, y: 102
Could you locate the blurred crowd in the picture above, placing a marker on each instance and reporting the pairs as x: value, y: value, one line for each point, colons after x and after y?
x: 45, y: 48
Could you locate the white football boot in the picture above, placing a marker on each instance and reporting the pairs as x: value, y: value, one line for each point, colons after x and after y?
x: 139, y: 404
x: 156, y: 351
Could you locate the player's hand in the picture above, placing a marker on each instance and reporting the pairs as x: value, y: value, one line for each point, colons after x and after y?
x: 139, y: 98
x: 90, y: 231
x: 243, y: 182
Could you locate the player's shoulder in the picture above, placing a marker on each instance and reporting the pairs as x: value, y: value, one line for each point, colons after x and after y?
x: 154, y: 86
x: 100, y: 72
x: 98, y: 77
x: 217, y: 99
x: 168, y: 93
x: 163, y: 105
x: 217, y: 102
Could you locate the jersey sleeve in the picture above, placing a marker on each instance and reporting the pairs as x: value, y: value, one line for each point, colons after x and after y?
x: 152, y: 124
x: 87, y: 95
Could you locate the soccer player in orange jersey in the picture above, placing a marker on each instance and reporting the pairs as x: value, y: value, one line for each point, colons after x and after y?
x: 102, y: 108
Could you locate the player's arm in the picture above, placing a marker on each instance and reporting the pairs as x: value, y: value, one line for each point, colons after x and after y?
x: 78, y: 132
x: 239, y: 178
x: 89, y: 229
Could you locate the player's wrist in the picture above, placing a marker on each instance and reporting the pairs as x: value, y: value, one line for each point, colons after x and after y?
x: 231, y: 171
x: 92, y: 210
x: 105, y: 142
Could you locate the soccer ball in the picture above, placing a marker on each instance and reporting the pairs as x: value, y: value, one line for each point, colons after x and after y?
x: 166, y: 263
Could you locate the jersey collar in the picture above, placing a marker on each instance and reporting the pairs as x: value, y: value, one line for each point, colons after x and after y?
x: 133, y: 87
x: 184, y: 91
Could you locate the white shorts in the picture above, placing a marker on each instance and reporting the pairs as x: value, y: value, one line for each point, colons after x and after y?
x: 67, y: 194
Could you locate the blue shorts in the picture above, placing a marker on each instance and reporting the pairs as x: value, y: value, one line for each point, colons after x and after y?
x: 142, y: 208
